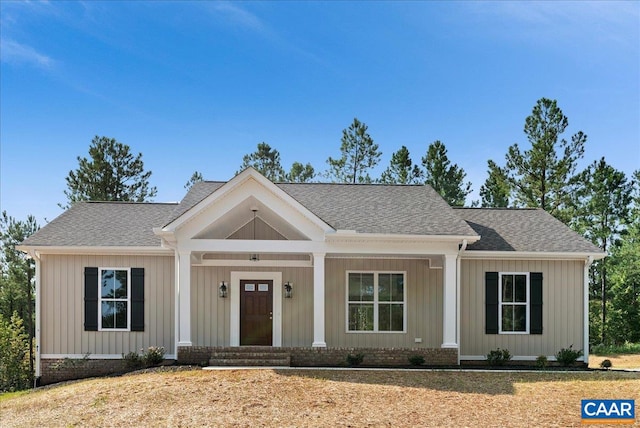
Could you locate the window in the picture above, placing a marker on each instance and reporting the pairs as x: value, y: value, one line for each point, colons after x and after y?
x: 114, y: 299
x: 514, y: 303
x: 375, y: 301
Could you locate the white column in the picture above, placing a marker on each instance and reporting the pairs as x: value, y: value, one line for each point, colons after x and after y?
x: 318, y: 301
x: 184, y: 298
x: 450, y: 302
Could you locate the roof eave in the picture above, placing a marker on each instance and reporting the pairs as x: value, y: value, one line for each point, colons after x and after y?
x: 81, y: 250
x: 350, y: 234
x: 533, y: 255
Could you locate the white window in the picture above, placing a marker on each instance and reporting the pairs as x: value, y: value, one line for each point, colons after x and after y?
x: 114, y: 298
x: 513, y: 302
x: 376, y: 302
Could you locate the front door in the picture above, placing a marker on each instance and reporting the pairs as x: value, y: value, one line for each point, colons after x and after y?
x: 256, y: 312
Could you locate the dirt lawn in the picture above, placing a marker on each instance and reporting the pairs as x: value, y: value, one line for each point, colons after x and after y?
x: 282, y: 398
x: 622, y: 361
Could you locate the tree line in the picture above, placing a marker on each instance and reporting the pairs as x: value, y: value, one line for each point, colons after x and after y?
x: 599, y: 202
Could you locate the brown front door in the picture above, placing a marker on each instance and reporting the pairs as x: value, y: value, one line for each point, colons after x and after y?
x: 256, y: 312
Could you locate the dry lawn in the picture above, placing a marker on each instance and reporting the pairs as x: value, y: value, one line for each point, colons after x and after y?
x: 250, y: 398
x: 622, y: 361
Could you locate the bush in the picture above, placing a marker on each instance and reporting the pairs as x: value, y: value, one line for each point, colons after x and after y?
x: 153, y: 356
x: 132, y: 360
x: 15, y: 373
x: 498, y: 357
x: 355, y: 360
x: 416, y: 360
x: 606, y: 364
x: 541, y: 362
x: 568, y: 356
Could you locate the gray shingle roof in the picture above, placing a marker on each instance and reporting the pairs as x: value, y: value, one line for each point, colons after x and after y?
x: 530, y: 230
x: 89, y: 224
x: 384, y: 209
x: 365, y: 208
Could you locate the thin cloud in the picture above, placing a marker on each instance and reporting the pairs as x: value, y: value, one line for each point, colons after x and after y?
x: 12, y: 52
x: 240, y: 16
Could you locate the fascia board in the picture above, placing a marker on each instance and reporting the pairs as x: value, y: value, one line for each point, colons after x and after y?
x: 351, y: 235
x: 80, y: 250
x: 530, y: 255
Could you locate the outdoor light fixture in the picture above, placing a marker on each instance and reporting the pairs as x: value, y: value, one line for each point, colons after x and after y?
x: 222, y: 290
x: 288, y: 289
x: 254, y: 257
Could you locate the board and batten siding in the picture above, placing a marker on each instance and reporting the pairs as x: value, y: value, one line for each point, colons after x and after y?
x: 423, y: 291
x: 62, y: 306
x: 562, y: 308
x: 211, y: 315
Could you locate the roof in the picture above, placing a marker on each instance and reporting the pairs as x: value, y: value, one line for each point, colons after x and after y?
x: 365, y: 208
x: 96, y: 224
x: 522, y: 229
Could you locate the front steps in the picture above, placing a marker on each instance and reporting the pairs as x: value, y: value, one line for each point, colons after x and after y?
x: 253, y: 356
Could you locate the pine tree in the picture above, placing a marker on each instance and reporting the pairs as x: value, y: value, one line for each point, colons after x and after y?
x: 539, y: 176
x: 111, y: 174
x: 266, y: 161
x: 496, y: 190
x: 446, y: 179
x: 359, y: 154
x: 401, y: 169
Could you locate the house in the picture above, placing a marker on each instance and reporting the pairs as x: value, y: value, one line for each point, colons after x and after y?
x: 314, y: 270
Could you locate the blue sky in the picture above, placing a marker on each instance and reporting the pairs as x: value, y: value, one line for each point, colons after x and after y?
x: 196, y: 85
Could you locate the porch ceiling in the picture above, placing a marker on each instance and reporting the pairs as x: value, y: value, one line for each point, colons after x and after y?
x: 242, y: 214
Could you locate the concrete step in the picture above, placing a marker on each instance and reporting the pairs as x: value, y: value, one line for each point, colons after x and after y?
x: 249, y: 355
x: 242, y: 362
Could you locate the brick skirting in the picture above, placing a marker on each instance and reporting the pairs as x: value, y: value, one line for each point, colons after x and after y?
x: 61, y: 369
x: 337, y: 357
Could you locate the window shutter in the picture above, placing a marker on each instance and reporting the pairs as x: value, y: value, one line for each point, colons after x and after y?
x: 137, y: 299
x: 91, y: 298
x: 535, y: 284
x: 491, y: 302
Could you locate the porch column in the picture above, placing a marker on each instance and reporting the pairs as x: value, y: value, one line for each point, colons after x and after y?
x: 184, y: 298
x: 318, y: 301
x: 450, y: 301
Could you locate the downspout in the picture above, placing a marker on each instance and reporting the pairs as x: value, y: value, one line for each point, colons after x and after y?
x: 463, y: 247
x: 34, y: 254
x: 585, y: 345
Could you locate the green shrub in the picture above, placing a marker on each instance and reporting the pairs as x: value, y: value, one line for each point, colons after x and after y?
x: 355, y: 360
x: 153, y: 356
x: 568, y: 356
x: 542, y: 362
x: 498, y: 357
x: 416, y: 360
x: 606, y: 364
x: 15, y: 373
x: 132, y: 360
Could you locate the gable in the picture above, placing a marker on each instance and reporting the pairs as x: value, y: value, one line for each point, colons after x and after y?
x: 232, y: 206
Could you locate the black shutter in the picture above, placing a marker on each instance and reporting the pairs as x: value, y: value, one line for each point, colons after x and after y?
x: 137, y: 299
x: 91, y: 298
x: 491, y: 302
x: 535, y: 284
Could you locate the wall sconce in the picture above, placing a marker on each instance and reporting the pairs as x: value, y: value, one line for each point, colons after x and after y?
x: 288, y: 289
x: 222, y: 290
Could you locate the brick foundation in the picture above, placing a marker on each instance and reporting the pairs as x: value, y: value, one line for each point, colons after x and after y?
x: 58, y: 370
x: 337, y: 357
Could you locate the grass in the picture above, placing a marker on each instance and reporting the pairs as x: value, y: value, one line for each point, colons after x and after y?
x: 319, y: 398
x: 625, y: 348
x: 624, y: 361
